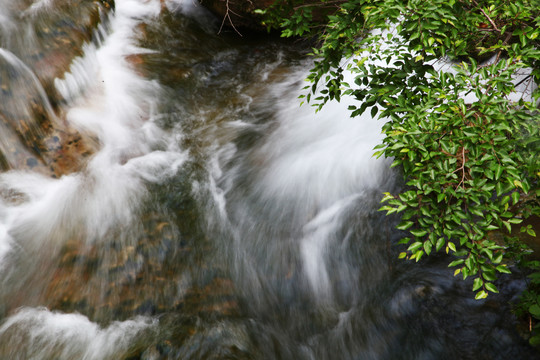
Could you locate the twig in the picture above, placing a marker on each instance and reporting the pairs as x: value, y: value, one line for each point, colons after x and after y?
x: 462, y: 168
x: 491, y: 21
x: 228, y: 16
x: 487, y: 17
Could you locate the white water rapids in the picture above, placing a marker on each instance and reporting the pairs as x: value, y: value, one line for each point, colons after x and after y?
x: 108, y: 99
x: 264, y: 240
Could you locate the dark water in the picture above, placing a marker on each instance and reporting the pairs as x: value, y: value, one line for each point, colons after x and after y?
x: 208, y: 215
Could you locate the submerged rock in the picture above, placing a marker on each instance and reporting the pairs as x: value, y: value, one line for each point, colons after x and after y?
x: 37, y: 48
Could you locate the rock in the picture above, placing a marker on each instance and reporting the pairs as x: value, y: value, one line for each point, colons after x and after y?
x: 34, y: 133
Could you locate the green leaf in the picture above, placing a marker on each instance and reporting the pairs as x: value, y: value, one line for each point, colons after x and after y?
x: 481, y: 295
x: 489, y: 286
x: 469, y: 262
x: 418, y: 233
x: 515, y: 221
x: 489, y: 275
x: 535, y: 340
x: 440, y: 197
x: 477, y: 284
x: 440, y: 243
x: 498, y: 171
x: 497, y: 259
x: 534, y: 310
x: 456, y: 262
x: 427, y: 247
x: 515, y: 197
x: 404, y: 241
x: 405, y: 225
x: 415, y: 246
x: 503, y: 269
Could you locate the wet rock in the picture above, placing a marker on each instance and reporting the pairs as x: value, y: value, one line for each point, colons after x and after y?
x: 34, y: 133
x: 147, y: 272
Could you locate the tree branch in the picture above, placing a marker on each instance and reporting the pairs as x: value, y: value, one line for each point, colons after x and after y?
x: 487, y: 17
x: 228, y: 16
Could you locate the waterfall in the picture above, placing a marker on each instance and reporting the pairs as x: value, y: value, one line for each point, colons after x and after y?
x: 209, y: 215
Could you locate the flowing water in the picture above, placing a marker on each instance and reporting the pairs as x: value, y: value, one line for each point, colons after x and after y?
x: 207, y: 215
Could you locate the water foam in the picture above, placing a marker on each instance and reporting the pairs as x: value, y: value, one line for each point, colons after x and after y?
x: 37, y: 333
x: 291, y: 197
x: 322, y: 156
x: 108, y: 99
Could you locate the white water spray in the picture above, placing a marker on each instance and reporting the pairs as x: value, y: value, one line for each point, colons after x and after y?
x: 109, y: 100
x: 322, y: 163
x: 41, y: 334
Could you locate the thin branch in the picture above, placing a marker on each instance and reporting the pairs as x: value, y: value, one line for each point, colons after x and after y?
x: 462, y: 168
x: 491, y: 21
x: 487, y: 17
x: 228, y: 16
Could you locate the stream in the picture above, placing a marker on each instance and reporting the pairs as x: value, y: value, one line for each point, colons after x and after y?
x: 163, y: 195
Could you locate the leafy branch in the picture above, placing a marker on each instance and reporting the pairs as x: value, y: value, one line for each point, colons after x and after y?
x: 466, y: 142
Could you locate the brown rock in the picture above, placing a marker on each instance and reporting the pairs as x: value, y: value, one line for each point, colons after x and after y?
x: 34, y: 134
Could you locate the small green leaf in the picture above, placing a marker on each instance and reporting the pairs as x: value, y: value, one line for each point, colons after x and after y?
x: 415, y: 246
x: 419, y: 233
x: 440, y: 197
x: 535, y: 340
x: 405, y: 225
x: 456, y: 262
x: 498, y: 171
x: 497, y: 259
x: 489, y: 275
x: 374, y: 111
x: 503, y: 269
x: 481, y: 295
x: 440, y: 243
x: 515, y: 221
x: 477, y: 284
x: 427, y: 247
x: 515, y: 197
x: 535, y: 310
x: 489, y: 286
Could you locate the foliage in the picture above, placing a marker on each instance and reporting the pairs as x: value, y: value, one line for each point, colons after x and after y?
x: 443, y: 74
x: 529, y: 306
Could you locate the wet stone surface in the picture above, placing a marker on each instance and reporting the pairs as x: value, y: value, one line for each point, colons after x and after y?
x: 34, y: 134
x: 159, y: 266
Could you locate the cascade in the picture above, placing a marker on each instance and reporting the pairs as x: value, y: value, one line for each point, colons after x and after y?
x: 209, y: 215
